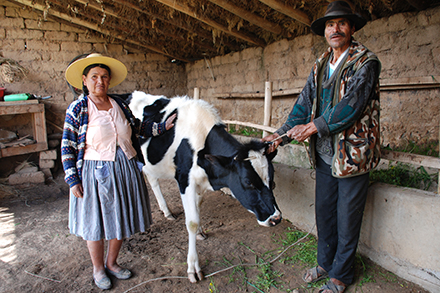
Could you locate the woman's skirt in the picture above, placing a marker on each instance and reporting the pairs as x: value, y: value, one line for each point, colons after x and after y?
x: 115, y: 203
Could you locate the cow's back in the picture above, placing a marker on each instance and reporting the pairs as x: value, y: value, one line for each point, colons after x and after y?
x: 195, y: 119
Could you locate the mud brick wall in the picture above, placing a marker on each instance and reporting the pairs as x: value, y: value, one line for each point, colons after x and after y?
x: 45, y: 48
x: 407, y: 45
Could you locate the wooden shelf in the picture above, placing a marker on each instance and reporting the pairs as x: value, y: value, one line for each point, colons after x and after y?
x: 38, y: 120
x: 386, y: 84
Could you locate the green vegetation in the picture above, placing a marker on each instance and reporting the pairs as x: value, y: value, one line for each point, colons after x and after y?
x: 304, y: 251
x: 245, y: 131
x: 272, y: 270
x: 404, y: 175
x: 430, y: 148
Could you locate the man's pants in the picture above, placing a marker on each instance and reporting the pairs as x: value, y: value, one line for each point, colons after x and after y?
x: 339, y: 207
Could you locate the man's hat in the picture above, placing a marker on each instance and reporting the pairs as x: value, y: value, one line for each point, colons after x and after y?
x: 337, y: 9
x: 75, y: 70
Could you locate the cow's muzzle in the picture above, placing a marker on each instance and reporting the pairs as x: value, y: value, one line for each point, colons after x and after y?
x: 273, y: 221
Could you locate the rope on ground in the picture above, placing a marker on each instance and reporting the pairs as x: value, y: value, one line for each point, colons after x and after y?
x: 229, y: 268
x: 45, y: 278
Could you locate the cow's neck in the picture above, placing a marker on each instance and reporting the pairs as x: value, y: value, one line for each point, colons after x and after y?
x: 220, y: 143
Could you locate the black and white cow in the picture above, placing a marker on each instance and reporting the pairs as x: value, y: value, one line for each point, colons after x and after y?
x: 201, y: 155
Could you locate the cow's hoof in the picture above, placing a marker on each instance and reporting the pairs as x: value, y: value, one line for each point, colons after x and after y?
x: 170, y: 217
x: 201, y: 236
x: 194, y: 278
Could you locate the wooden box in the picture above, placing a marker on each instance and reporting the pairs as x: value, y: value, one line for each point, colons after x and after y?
x: 37, y: 121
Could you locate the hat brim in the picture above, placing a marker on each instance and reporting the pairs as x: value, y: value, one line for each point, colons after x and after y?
x: 318, y: 26
x: 75, y: 70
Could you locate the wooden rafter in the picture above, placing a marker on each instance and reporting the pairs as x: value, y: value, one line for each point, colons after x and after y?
x: 187, y: 10
x: 287, y: 10
x: 172, y: 36
x: 94, y: 27
x: 184, y: 25
x: 249, y: 16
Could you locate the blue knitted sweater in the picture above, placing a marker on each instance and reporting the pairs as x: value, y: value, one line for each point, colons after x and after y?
x: 74, y: 136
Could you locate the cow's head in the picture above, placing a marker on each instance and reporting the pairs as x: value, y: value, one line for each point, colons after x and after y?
x: 147, y: 107
x: 249, y: 175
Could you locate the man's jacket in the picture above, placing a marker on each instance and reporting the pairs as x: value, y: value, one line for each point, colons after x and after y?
x: 353, y: 119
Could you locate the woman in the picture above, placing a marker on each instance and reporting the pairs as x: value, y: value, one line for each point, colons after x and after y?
x: 101, y: 158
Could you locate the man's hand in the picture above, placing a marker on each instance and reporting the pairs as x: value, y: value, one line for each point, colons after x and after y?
x: 170, y: 122
x: 77, y: 190
x: 273, y: 146
x: 302, y: 132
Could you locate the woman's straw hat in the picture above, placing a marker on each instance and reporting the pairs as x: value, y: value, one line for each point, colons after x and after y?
x: 75, y: 70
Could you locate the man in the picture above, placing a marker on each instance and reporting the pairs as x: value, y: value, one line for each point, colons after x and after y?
x: 338, y: 109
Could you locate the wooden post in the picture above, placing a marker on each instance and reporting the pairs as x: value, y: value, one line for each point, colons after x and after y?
x: 196, y: 93
x: 267, y: 105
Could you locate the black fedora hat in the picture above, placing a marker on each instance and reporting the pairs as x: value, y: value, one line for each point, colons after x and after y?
x: 337, y: 9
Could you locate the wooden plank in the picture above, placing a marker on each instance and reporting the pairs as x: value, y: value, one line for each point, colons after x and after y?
x: 249, y: 16
x: 267, y: 105
x: 234, y: 32
x: 288, y: 10
x: 282, y: 93
x: 9, y: 103
x: 426, y: 161
x: 32, y: 148
x: 388, y: 84
x: 248, y: 124
x: 21, y: 109
x: 410, y: 83
x: 39, y: 126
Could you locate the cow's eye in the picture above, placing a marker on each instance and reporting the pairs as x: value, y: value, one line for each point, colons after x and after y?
x: 248, y: 183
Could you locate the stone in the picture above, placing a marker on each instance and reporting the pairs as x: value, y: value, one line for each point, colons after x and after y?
x: 23, y: 178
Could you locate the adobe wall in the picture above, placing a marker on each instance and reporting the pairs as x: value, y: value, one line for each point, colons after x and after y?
x: 45, y: 48
x: 407, y: 45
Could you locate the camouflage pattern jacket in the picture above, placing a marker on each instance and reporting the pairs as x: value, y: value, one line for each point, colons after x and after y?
x: 353, y: 119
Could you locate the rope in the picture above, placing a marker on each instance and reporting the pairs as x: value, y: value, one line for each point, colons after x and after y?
x: 226, y: 269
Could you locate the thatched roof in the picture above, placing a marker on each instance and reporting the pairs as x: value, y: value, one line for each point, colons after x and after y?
x: 190, y: 30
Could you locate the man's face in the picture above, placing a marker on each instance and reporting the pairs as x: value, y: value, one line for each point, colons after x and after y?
x: 338, y: 33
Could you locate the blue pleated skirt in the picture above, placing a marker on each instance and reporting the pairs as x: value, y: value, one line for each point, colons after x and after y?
x: 115, y: 202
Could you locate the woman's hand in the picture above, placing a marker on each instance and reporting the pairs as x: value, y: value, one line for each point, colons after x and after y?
x: 170, y: 122
x: 77, y: 190
x: 273, y: 146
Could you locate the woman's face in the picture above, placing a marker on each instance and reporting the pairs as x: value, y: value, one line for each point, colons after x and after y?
x: 97, y: 81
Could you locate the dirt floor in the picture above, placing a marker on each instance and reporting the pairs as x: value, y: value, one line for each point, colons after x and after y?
x: 37, y: 253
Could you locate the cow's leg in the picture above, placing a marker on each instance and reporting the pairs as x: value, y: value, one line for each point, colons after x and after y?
x: 200, y: 235
x: 192, y: 220
x: 154, y: 183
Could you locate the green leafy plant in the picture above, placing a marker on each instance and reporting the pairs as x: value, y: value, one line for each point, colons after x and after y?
x: 427, y: 148
x: 267, y: 278
x: 404, y: 175
x: 304, y: 251
x: 245, y: 131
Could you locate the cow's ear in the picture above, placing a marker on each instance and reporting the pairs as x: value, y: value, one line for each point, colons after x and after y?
x: 271, y: 155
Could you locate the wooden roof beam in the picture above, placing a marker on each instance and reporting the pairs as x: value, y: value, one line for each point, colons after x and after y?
x: 249, y: 16
x: 187, y: 10
x: 182, y: 26
x: 288, y: 10
x: 173, y: 36
x: 94, y: 27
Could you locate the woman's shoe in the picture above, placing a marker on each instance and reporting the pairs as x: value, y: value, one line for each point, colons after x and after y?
x: 123, y: 274
x: 104, y: 283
